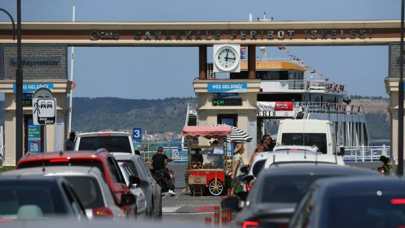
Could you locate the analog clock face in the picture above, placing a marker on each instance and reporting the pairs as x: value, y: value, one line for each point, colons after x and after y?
x: 226, y: 58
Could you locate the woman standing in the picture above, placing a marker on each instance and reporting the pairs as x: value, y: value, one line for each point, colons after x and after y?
x: 237, y: 164
x: 257, y: 151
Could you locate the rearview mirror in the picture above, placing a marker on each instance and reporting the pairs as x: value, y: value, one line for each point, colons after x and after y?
x: 244, y: 169
x: 247, y: 179
x: 342, y: 151
x: 127, y: 199
x: 230, y: 204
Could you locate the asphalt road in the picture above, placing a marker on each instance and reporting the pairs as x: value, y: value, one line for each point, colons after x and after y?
x: 186, y: 209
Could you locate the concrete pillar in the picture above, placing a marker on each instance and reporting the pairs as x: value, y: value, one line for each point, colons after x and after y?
x: 251, y: 62
x: 203, y: 62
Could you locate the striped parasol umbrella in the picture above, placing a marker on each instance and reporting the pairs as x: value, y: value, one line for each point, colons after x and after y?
x: 237, y: 135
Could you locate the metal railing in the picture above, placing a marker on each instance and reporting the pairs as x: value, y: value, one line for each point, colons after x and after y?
x: 335, y: 108
x: 365, y: 153
x: 307, y: 85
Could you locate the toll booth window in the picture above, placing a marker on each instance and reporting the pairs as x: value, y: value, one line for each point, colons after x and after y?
x: 307, y: 139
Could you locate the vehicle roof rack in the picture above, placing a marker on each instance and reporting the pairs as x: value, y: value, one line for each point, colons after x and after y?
x: 100, y: 150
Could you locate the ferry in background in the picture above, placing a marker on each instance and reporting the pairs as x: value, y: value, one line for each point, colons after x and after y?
x: 288, y: 86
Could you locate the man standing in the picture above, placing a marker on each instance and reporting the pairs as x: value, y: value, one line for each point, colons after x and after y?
x: 267, y: 143
x: 159, y: 164
x: 70, y: 143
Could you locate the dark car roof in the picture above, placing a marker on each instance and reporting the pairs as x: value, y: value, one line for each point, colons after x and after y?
x: 305, y: 169
x: 340, y: 184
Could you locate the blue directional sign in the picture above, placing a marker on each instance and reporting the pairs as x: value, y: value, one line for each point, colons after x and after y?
x: 145, y: 149
x: 137, y: 134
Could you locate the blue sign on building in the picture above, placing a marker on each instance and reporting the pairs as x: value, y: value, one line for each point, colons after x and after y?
x: 137, y: 134
x: 235, y: 87
x: 32, y: 87
x: 227, y: 95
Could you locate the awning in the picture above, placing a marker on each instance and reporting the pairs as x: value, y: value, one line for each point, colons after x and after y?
x: 207, y: 131
x: 237, y: 135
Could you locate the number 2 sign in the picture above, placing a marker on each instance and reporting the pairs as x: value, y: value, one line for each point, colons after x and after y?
x: 137, y: 133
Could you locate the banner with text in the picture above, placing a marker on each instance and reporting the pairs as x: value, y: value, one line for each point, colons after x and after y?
x: 275, y: 109
x: 38, y: 62
x: 236, y: 87
x: 32, y: 87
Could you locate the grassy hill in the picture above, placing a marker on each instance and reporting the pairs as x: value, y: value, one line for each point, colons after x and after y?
x: 157, y: 116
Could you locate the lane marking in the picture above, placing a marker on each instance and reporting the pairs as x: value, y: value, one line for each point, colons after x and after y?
x: 170, y: 209
x: 178, y: 195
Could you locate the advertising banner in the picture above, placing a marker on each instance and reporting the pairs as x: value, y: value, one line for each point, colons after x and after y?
x: 32, y: 87
x: 34, y: 137
x: 275, y: 109
x: 236, y: 87
x: 38, y: 62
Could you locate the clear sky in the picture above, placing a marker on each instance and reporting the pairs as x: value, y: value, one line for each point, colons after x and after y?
x: 143, y: 73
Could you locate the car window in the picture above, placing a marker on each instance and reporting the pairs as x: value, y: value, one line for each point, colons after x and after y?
x: 131, y: 166
x: 287, y: 189
x: 305, y: 139
x: 110, y: 143
x: 373, y: 209
x: 71, y: 162
x: 124, y: 172
x: 114, y: 169
x: 88, y: 190
x: 257, y: 167
x: 144, y: 167
x: 44, y: 197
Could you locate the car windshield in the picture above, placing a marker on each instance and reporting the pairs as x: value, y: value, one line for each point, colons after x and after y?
x: 110, y: 143
x: 376, y: 209
x: 88, y: 190
x: 19, y: 198
x: 305, y: 139
x: 287, y: 189
x: 56, y: 162
x: 257, y: 167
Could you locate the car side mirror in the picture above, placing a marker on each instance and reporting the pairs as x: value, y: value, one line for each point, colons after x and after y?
x: 127, y: 199
x: 230, y: 204
x: 134, y: 181
x: 244, y: 169
x: 247, y: 179
x: 342, y: 151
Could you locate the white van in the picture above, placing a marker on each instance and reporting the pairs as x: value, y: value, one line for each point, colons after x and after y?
x: 307, y: 132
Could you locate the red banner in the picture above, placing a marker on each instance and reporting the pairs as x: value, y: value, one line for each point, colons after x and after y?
x: 283, y: 106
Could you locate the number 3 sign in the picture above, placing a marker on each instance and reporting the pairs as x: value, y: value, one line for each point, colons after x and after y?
x: 137, y: 133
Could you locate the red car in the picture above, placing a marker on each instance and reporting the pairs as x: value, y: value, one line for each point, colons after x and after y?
x: 101, y: 159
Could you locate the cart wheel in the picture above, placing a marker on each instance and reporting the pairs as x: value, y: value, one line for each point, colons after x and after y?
x: 218, y: 190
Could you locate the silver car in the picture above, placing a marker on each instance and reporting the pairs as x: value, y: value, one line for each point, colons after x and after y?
x: 88, y: 184
x: 153, y: 191
x: 141, y: 204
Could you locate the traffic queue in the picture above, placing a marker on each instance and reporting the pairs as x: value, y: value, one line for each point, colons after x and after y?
x: 102, y: 178
x: 299, y: 186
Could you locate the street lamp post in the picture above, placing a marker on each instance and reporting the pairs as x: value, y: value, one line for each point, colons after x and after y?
x: 19, y: 91
x: 12, y: 21
x: 401, y: 100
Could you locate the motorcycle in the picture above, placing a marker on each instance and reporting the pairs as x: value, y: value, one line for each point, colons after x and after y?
x: 161, y: 180
x: 243, y: 184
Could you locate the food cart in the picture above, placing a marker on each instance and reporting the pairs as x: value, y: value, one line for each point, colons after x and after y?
x: 208, y: 174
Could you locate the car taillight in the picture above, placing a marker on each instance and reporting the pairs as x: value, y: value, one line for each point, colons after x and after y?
x: 103, y: 211
x: 293, y: 149
x: 282, y: 225
x: 248, y: 187
x: 398, y: 201
x: 104, y: 135
x: 247, y: 224
x: 6, y: 220
x: 59, y: 160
